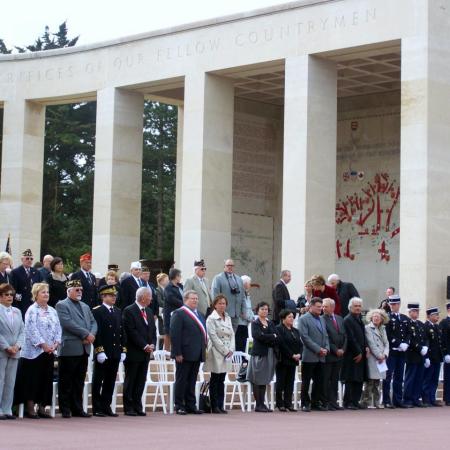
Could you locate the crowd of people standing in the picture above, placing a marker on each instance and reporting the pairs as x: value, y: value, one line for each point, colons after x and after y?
x: 386, y: 360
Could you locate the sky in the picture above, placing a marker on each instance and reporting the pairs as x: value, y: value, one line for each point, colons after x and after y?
x: 22, y: 21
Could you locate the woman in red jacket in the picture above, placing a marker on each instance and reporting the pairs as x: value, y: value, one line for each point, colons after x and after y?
x: 323, y: 290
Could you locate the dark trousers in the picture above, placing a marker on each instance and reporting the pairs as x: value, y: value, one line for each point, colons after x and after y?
x: 395, y: 372
x: 413, y: 383
x: 103, y: 382
x: 332, y: 371
x: 352, y: 393
x: 240, y: 338
x: 312, y: 371
x: 284, y: 385
x: 72, y: 374
x: 447, y: 382
x: 134, y: 384
x: 185, y: 379
x: 430, y: 383
x: 217, y: 389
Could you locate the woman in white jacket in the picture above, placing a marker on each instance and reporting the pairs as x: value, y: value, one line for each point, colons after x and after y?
x: 219, y: 352
x: 378, y: 345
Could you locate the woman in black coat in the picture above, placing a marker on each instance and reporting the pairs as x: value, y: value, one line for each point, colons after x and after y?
x: 354, y: 369
x: 173, y: 300
x: 56, y: 281
x: 290, y: 351
x: 261, y: 367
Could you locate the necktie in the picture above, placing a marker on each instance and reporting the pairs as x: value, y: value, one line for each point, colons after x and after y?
x: 335, y: 324
x: 144, y: 314
x: 111, y: 310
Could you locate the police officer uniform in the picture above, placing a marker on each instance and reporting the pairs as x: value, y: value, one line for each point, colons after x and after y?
x: 445, y: 328
x: 109, y: 351
x: 397, y: 330
x: 415, y: 357
x: 433, y: 360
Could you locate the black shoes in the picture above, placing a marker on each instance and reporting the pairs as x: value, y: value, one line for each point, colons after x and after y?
x: 141, y: 413
x: 281, y: 408
x: 130, y: 413
x: 83, y: 414
x: 389, y: 406
x: 111, y: 414
x: 181, y: 412
x: 306, y: 408
x: 195, y: 411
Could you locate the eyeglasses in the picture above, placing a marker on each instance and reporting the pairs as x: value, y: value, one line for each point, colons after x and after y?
x: 8, y: 294
x: 78, y: 289
x: 203, y: 269
x: 229, y: 265
x: 28, y: 258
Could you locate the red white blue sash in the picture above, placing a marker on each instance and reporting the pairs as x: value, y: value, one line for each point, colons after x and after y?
x: 197, y: 321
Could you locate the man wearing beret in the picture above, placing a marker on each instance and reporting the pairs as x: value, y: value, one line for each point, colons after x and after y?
x: 87, y: 279
x: 433, y: 358
x: 109, y: 351
x: 398, y: 334
x: 200, y: 284
x: 22, y: 279
x: 415, y: 358
x: 445, y: 328
x: 78, y: 333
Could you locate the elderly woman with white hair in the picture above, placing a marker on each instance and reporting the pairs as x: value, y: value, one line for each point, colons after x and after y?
x: 245, y: 317
x: 354, y: 369
x: 5, y: 267
x: 378, y: 344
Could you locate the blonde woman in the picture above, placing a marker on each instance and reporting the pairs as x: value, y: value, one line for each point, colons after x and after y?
x: 42, y: 337
x: 378, y: 345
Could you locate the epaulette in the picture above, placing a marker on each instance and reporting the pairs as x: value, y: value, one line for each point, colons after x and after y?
x: 99, y: 350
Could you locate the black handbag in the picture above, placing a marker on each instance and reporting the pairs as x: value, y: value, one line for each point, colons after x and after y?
x: 204, y: 401
x: 242, y: 374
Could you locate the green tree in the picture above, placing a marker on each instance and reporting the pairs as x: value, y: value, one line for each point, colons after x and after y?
x: 158, y: 181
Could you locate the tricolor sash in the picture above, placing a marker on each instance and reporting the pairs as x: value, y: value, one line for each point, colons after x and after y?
x: 197, y: 321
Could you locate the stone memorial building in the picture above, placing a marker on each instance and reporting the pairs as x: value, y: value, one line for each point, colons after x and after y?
x: 313, y: 136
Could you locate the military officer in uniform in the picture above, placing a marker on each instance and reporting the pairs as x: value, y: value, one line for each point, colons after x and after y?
x: 445, y: 328
x: 433, y: 358
x: 109, y: 351
x: 415, y: 358
x: 22, y: 279
x: 397, y: 330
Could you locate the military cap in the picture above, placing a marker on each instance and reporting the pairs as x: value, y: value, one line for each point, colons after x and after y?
x: 114, y: 267
x: 74, y: 284
x: 434, y: 310
x: 27, y: 252
x: 200, y: 263
x: 413, y: 306
x: 86, y: 257
x: 107, y: 290
x: 393, y: 299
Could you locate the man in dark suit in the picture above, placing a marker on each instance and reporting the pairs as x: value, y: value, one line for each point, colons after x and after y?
x: 109, y: 351
x: 189, y: 339
x: 415, y: 358
x: 22, y: 279
x: 345, y: 291
x: 398, y: 334
x: 78, y: 333
x: 333, y: 360
x: 280, y: 294
x: 88, y: 280
x: 140, y: 332
x: 130, y: 285
x: 444, y: 325
x: 145, y: 279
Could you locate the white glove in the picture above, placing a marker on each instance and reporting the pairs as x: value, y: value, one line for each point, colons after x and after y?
x: 427, y: 363
x: 447, y: 359
x: 123, y: 356
x: 424, y: 350
x: 403, y: 347
x: 101, y: 357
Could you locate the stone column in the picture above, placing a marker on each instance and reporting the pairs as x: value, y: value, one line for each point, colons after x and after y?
x: 178, y: 188
x: 204, y: 218
x: 21, y: 181
x: 118, y: 178
x: 425, y: 164
x: 309, y: 169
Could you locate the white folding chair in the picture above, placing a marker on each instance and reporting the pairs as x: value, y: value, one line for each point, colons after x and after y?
x: 163, y: 380
x: 297, y: 384
x: 198, y: 384
x: 88, y: 381
x: 119, y: 382
x: 236, y: 361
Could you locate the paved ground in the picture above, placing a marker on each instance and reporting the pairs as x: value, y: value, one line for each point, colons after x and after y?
x: 362, y: 430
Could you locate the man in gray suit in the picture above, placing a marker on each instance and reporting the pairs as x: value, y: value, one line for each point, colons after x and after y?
x: 333, y: 361
x: 11, y: 340
x: 78, y: 333
x: 316, y: 346
x: 200, y: 285
x: 230, y: 285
